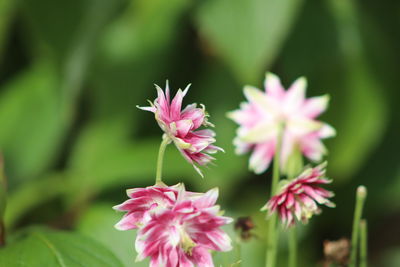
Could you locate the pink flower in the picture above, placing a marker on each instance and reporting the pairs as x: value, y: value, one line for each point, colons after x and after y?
x: 176, y: 228
x: 143, y: 203
x: 181, y: 126
x: 299, y: 197
x: 184, y: 235
x: 261, y: 118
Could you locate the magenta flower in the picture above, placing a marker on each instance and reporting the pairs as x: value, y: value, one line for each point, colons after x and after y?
x: 143, y: 203
x: 261, y: 118
x: 176, y: 227
x: 180, y: 126
x: 299, y: 197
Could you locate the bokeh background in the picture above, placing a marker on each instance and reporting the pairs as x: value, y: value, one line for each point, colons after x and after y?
x: 72, y: 72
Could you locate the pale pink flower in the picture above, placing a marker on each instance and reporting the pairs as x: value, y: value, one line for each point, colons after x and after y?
x: 181, y: 126
x: 261, y: 118
x: 143, y: 203
x: 299, y: 197
x: 184, y: 235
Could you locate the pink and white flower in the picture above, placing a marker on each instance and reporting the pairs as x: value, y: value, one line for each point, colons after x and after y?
x: 263, y: 116
x: 180, y: 126
x: 185, y: 235
x: 143, y: 203
x: 176, y: 228
x: 299, y: 197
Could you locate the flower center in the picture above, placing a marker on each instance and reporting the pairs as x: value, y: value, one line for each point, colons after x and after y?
x: 186, y: 243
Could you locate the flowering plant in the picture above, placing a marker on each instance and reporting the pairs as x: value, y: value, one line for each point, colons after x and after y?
x: 177, y: 227
x: 261, y: 120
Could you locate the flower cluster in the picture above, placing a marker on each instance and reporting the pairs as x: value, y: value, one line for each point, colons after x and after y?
x: 180, y: 126
x: 266, y: 113
x: 175, y: 227
x: 299, y: 197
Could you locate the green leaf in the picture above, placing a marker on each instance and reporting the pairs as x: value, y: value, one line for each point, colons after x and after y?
x: 40, y: 247
x: 98, y: 223
x: 31, y: 194
x: 247, y: 34
x: 142, y: 28
x: 364, y: 111
x: 38, y: 106
x: 30, y: 119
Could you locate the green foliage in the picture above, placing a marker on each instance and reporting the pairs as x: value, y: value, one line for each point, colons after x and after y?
x: 247, y: 34
x: 363, y: 98
x: 30, y: 116
x: 72, y: 73
x: 98, y: 224
x: 41, y: 247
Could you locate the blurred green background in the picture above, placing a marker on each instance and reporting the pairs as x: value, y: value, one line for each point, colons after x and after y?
x: 71, y: 73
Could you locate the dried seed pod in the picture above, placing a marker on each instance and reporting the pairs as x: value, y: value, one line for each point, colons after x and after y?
x: 337, y: 251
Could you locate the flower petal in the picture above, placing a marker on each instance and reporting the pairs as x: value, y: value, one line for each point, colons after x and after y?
x: 314, y: 106
x: 273, y: 86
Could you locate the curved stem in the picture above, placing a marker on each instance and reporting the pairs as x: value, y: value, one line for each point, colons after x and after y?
x: 273, y: 234
x: 160, y: 159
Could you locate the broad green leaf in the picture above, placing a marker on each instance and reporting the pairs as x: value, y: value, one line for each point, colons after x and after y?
x: 365, y: 110
x: 143, y: 29
x: 63, y: 26
x: 38, y: 106
x: 69, y: 30
x: 30, y: 119
x: 98, y: 223
x: 247, y: 34
x: 31, y: 194
x: 40, y: 247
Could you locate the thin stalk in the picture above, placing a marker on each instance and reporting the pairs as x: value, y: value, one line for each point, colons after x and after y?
x: 238, y: 252
x: 276, y: 166
x: 363, y: 243
x: 273, y: 234
x: 3, y: 202
x: 294, y: 167
x: 293, y: 247
x: 360, y: 199
x: 160, y: 159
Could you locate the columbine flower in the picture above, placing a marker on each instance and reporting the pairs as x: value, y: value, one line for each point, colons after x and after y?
x: 144, y: 203
x: 185, y: 234
x: 180, y: 126
x: 298, y: 198
x: 176, y: 227
x: 262, y: 117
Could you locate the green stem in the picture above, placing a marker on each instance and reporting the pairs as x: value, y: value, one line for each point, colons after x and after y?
x: 160, y: 159
x: 273, y: 234
x: 360, y: 199
x: 3, y: 202
x: 276, y: 171
x: 363, y: 243
x: 294, y: 167
x: 293, y: 247
x: 239, y: 252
